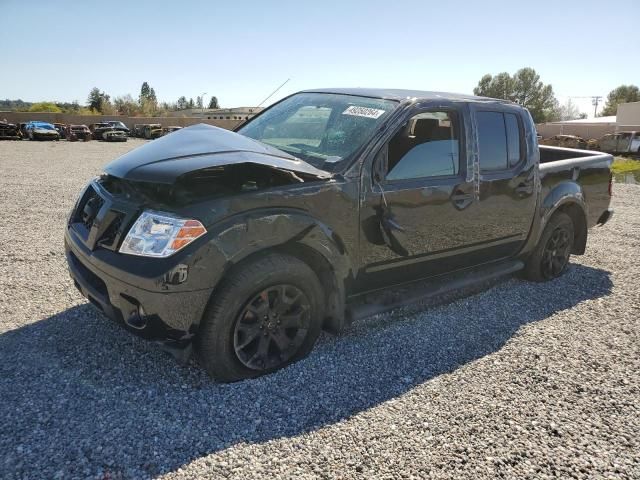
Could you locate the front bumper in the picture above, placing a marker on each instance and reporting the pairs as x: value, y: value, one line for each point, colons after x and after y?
x: 167, y: 317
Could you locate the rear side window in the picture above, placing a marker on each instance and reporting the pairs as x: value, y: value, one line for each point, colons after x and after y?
x: 498, y: 141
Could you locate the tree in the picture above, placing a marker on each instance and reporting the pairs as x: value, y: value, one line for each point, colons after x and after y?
x: 126, y: 105
x: 622, y: 94
x: 190, y: 104
x: 97, y: 100
x: 181, y: 104
x: 108, y: 108
x: 144, y: 92
x: 213, y: 103
x: 45, y: 107
x: 524, y: 88
x: 199, y: 102
x: 148, y: 100
x: 569, y: 111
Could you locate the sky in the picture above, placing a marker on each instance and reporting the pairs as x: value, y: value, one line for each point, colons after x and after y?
x: 241, y: 51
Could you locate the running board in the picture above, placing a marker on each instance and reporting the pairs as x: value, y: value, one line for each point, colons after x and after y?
x: 407, y: 294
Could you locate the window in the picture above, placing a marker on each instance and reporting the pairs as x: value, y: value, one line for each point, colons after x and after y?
x: 498, y: 141
x: 426, y: 146
x: 323, y: 129
x: 513, y: 138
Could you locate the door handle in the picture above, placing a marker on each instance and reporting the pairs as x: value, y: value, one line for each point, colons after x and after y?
x: 461, y: 199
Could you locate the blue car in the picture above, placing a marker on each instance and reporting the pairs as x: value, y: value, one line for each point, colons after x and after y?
x: 41, y: 131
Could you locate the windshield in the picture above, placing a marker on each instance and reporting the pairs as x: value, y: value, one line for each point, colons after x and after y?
x: 117, y: 124
x: 322, y: 129
x: 43, y: 126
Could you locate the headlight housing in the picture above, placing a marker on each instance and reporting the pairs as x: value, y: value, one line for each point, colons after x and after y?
x: 159, y: 234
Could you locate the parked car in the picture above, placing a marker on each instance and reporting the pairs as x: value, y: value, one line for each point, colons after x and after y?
x: 166, y: 130
x: 567, y: 141
x: 114, y: 136
x: 621, y: 143
x: 152, y: 130
x: 246, y: 244
x: 98, y: 129
x: 593, y: 144
x: 41, y: 131
x: 61, y: 128
x: 22, y: 126
x: 9, y: 131
x: 119, y: 126
x: 138, y: 130
x: 78, y: 132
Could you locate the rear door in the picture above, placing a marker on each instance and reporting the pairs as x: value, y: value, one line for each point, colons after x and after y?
x: 507, y: 199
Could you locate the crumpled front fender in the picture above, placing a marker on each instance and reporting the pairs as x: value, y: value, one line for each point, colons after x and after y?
x: 237, y: 238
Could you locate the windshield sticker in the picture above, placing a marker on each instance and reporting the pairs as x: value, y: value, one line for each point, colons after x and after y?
x: 363, y: 112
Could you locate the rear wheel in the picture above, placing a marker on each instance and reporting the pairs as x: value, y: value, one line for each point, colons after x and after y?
x: 550, y: 258
x: 267, y: 315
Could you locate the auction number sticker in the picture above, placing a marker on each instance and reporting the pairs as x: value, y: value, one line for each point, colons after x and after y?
x: 363, y: 112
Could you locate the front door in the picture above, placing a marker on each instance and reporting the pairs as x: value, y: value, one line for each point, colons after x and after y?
x: 417, y: 202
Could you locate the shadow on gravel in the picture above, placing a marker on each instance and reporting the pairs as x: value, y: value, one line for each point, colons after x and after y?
x: 80, y: 396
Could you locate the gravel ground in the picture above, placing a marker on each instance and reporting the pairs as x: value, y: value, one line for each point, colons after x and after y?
x: 519, y: 381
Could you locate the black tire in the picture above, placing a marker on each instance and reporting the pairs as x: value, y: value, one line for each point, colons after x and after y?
x: 551, y: 256
x: 221, y: 336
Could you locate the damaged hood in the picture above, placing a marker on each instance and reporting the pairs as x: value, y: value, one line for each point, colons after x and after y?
x: 200, y: 147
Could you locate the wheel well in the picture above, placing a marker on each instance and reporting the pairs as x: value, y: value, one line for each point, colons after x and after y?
x: 577, y: 216
x: 333, y: 289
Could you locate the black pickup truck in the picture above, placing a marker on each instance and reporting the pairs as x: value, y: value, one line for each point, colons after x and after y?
x: 246, y: 244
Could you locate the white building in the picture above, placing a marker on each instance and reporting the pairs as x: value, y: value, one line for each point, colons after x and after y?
x: 238, y: 113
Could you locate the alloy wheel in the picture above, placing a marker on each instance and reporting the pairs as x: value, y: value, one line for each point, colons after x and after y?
x: 272, y: 327
x: 556, y: 253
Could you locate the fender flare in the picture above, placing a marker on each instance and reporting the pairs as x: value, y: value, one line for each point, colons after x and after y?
x: 237, y: 239
x: 567, y: 197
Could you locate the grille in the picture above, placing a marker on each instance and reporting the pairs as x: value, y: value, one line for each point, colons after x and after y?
x: 108, y: 231
x: 88, y: 208
x: 111, y: 237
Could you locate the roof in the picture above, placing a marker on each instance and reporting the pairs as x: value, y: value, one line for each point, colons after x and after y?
x: 400, y: 94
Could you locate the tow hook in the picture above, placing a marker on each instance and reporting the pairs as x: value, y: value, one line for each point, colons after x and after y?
x: 137, y: 319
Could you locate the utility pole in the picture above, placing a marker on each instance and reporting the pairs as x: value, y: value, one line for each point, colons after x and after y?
x: 594, y: 101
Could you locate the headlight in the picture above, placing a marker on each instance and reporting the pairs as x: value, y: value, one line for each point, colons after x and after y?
x: 157, y: 234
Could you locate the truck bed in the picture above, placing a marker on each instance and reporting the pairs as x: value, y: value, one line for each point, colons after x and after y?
x: 589, y: 169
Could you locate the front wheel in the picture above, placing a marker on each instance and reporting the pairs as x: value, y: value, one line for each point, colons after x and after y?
x: 268, y: 314
x: 550, y: 258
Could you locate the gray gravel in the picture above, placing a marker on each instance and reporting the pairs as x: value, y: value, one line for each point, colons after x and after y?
x: 519, y: 381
